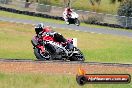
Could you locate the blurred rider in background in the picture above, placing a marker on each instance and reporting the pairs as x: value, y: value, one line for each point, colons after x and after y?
x: 66, y: 14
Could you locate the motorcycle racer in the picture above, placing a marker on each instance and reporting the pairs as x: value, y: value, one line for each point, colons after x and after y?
x: 47, y: 31
x: 71, y: 17
x: 67, y: 12
x: 50, y: 45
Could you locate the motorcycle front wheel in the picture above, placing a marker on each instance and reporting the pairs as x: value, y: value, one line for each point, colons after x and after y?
x: 77, y: 56
x: 42, y: 56
x: 77, y: 22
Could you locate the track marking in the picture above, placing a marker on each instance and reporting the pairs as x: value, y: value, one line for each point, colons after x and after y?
x: 66, y: 62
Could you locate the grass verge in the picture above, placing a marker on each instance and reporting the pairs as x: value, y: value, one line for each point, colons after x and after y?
x: 48, y: 81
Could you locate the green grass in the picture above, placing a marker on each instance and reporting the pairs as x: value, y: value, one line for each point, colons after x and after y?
x: 15, y: 43
x: 104, y: 7
x: 14, y: 80
x: 20, y: 16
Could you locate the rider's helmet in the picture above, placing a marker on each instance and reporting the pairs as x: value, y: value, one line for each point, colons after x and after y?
x: 39, y: 27
x: 69, y: 10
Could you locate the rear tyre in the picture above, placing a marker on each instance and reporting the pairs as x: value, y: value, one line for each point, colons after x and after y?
x: 42, y: 56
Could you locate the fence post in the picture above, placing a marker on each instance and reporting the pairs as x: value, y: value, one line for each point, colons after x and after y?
x: 126, y: 21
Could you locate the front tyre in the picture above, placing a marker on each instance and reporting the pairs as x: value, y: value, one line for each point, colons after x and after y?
x: 77, y: 22
x: 77, y: 56
x: 42, y: 56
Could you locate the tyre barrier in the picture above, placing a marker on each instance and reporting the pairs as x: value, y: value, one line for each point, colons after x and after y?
x: 55, y: 17
x: 30, y: 13
x: 111, y: 25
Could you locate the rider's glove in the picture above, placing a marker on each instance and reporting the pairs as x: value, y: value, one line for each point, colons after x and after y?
x: 64, y: 44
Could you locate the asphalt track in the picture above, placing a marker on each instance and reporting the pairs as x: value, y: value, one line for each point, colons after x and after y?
x: 72, y: 27
x: 66, y: 62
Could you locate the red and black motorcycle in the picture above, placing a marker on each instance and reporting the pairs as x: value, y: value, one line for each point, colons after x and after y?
x: 49, y: 49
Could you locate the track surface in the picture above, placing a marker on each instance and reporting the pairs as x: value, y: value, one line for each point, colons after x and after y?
x: 73, y: 27
x: 60, y: 67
